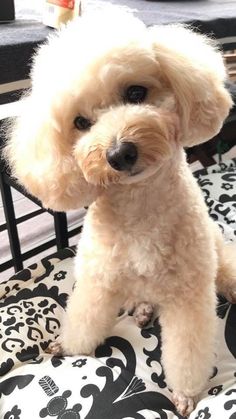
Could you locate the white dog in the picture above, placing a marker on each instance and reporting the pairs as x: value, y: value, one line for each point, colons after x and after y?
x: 112, y: 105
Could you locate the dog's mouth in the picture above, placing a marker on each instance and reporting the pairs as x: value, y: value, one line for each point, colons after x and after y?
x: 138, y: 175
x: 136, y: 172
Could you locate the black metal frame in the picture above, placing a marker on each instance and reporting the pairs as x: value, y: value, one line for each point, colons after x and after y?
x: 62, y: 234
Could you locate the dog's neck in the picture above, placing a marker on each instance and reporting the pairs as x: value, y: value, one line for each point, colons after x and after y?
x: 159, y: 193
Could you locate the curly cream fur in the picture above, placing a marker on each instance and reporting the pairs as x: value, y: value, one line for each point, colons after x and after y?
x: 147, y: 235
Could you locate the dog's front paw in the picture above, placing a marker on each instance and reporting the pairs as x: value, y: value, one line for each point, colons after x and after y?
x: 184, y: 404
x: 143, y: 314
x: 69, y: 345
x: 55, y: 348
x: 60, y: 348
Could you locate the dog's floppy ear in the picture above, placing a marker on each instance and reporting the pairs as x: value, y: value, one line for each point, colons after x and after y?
x: 42, y: 161
x: 193, y: 68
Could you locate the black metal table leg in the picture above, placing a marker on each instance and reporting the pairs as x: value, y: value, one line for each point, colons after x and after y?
x: 11, y: 224
x: 60, y: 223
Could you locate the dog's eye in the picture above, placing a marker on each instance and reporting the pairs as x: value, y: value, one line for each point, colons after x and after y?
x: 135, y: 94
x: 82, y: 123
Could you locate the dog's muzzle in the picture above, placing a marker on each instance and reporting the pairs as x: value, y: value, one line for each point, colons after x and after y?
x: 122, y: 156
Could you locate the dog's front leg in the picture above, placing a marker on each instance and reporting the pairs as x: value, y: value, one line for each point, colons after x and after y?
x: 89, y: 317
x: 188, y: 336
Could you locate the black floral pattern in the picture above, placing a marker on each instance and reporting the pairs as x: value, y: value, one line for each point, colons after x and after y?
x: 79, y: 363
x: 57, y: 406
x: 59, y: 276
x: 57, y: 361
x: 125, y: 387
x: 214, y: 181
x: 215, y: 390
x: 13, y: 414
x: 26, y: 312
x: 227, y: 186
x: 231, y: 403
x: 155, y: 354
x: 9, y: 385
x: 203, y: 414
x: 48, y: 385
x: 214, y: 373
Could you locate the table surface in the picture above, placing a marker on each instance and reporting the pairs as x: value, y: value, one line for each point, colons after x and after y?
x: 156, y: 12
x: 29, y: 15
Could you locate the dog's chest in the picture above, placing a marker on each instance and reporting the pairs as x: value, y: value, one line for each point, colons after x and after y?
x: 136, y: 245
x: 146, y: 252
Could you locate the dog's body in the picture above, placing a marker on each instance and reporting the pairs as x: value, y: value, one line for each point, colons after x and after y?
x: 152, y: 242
x: 111, y: 134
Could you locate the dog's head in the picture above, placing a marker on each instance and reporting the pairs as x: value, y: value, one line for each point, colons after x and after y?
x: 110, y: 101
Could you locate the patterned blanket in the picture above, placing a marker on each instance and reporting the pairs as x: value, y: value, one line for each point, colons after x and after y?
x: 125, y: 379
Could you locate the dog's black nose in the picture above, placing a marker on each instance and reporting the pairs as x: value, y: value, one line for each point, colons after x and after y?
x: 122, y: 156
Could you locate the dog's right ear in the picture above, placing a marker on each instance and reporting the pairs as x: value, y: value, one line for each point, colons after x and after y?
x: 193, y: 69
x: 42, y: 161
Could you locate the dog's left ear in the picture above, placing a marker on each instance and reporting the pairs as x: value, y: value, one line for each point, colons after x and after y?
x: 193, y: 69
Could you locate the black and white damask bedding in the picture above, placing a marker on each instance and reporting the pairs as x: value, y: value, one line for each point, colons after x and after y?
x: 125, y: 379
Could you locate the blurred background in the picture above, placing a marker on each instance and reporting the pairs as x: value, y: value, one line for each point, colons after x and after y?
x: 32, y: 8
